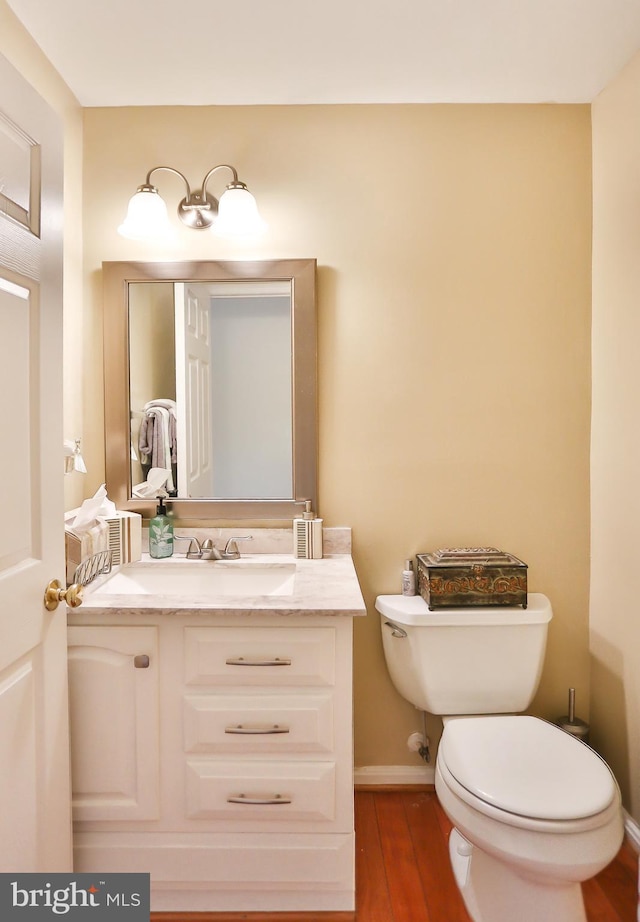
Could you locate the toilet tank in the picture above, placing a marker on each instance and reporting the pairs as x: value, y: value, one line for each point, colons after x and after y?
x: 465, y: 661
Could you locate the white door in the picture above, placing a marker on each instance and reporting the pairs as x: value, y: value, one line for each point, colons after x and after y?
x: 193, y: 392
x: 35, y: 826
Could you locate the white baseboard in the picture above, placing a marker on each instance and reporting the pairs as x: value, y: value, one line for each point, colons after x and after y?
x: 632, y: 830
x: 394, y: 774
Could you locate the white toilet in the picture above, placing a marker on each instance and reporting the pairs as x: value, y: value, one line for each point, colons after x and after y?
x: 535, y: 810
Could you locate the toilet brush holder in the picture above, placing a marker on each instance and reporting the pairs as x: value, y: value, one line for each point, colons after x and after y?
x: 571, y: 723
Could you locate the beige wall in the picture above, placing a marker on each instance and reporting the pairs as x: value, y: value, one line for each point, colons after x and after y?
x: 615, y: 603
x: 18, y: 47
x: 453, y: 245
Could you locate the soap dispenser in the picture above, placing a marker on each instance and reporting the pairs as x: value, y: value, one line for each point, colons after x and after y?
x: 160, y: 532
x: 307, y: 534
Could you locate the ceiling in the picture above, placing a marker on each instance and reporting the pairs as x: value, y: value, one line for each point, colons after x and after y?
x: 255, y: 52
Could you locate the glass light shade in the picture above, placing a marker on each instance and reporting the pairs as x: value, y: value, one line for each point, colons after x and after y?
x: 238, y: 214
x: 146, y: 218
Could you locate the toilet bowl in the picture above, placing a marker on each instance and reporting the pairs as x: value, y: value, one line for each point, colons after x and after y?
x: 535, y: 811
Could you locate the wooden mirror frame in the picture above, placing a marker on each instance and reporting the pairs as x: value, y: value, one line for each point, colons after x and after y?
x: 117, y: 276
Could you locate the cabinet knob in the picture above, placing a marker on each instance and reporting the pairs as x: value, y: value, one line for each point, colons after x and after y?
x: 141, y: 661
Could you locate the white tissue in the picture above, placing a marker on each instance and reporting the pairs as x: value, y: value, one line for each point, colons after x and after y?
x: 153, y: 485
x: 91, y: 509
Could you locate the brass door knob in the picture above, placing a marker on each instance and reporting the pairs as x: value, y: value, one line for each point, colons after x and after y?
x: 54, y: 594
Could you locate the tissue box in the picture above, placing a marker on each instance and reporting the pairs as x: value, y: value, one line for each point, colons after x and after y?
x: 125, y: 536
x: 121, y: 534
x: 80, y: 546
x: 464, y: 577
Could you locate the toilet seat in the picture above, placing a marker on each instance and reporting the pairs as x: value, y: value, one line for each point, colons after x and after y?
x: 525, y: 768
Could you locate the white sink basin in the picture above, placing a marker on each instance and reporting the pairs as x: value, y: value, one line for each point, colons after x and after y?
x: 196, y: 578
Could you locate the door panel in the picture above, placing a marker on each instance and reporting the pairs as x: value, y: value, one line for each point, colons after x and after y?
x: 18, y: 774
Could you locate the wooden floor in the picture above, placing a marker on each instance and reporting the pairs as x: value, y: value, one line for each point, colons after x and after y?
x: 403, y: 872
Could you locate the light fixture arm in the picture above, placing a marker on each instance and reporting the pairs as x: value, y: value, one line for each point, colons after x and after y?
x: 168, y: 169
x: 222, y: 166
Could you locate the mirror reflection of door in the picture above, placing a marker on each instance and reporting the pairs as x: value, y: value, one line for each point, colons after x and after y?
x: 223, y: 352
x: 193, y: 389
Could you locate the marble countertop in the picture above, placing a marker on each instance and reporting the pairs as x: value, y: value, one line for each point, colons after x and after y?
x: 328, y: 586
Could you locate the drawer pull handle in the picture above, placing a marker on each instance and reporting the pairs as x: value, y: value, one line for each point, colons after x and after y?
x: 257, y: 661
x: 256, y: 728
x: 257, y: 799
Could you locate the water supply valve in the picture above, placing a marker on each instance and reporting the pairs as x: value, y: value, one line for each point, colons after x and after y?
x: 419, y: 743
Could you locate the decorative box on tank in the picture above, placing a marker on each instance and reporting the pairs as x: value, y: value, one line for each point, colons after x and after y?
x: 463, y: 577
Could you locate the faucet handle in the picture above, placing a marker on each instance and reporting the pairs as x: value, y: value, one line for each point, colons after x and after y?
x: 194, y: 551
x: 231, y: 551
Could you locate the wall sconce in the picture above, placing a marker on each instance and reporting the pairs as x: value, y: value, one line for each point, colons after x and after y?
x: 235, y: 215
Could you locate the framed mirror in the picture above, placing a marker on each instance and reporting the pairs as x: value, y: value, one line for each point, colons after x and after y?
x: 210, y: 387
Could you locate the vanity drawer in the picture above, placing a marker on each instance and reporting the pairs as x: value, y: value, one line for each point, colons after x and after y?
x: 245, y: 656
x: 259, y: 796
x: 267, y: 724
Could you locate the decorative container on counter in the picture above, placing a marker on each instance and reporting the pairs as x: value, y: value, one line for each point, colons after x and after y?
x: 463, y: 577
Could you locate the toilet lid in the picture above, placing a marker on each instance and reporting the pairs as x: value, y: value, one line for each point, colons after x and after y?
x: 527, y: 767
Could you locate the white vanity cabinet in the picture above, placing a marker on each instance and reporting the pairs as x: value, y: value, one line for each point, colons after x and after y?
x: 225, y: 769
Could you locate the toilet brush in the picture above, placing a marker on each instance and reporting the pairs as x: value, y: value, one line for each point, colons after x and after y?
x: 571, y: 723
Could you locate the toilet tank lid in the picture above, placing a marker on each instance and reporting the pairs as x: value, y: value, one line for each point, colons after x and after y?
x: 527, y: 766
x: 413, y: 610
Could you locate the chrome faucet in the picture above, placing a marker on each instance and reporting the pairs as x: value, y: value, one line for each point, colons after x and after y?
x: 207, y: 550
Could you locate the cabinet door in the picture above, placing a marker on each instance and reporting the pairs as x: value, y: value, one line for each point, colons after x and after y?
x: 113, y: 692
